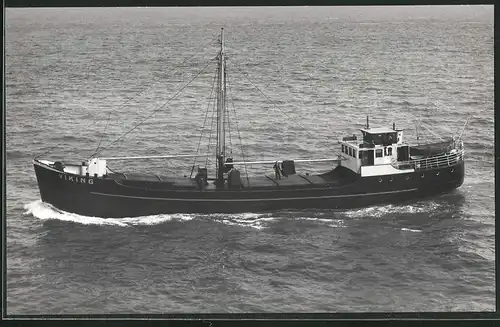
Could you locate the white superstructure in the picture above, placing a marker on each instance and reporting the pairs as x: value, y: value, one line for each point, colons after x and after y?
x: 374, y: 153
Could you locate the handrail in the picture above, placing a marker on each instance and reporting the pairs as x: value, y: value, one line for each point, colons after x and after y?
x: 158, y: 157
x: 445, y: 160
x: 280, y: 161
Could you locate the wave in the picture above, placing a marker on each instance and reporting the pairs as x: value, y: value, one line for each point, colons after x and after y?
x: 370, y: 89
x: 337, y: 223
x: 252, y: 220
x: 399, y: 103
x: 471, y: 103
x: 16, y: 154
x: 476, y: 146
x: 45, y: 211
x: 478, y: 180
x: 383, y: 210
x: 262, y: 220
x: 411, y: 230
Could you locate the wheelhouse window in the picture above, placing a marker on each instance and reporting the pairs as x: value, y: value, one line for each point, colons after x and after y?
x: 360, y: 155
x: 384, y: 139
x: 343, y: 148
x: 350, y: 152
x: 354, y: 153
x: 378, y: 153
x: 389, y: 151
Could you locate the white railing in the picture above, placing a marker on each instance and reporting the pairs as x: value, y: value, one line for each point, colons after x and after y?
x: 451, y: 158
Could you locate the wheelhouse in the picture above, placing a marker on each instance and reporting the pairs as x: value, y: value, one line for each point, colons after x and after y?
x: 375, y: 152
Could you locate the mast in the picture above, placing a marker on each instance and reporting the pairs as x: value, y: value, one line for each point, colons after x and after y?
x: 221, y: 97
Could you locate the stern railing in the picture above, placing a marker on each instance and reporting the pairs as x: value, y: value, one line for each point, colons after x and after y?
x: 451, y: 158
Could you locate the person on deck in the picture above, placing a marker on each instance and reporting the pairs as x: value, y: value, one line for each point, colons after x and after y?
x: 277, y: 170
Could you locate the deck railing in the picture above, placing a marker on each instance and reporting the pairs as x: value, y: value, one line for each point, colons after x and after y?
x: 449, y: 159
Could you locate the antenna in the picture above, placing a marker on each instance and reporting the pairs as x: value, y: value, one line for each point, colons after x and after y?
x: 416, y: 128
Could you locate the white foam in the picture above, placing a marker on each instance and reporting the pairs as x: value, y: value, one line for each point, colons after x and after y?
x: 253, y: 220
x: 45, y: 211
x: 234, y: 223
x: 379, y: 211
x: 330, y: 222
x: 411, y: 230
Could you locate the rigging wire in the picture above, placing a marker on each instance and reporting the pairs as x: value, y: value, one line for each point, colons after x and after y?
x: 58, y: 144
x: 204, y: 122
x: 226, y: 110
x: 229, y: 130
x: 416, y: 130
x: 155, y: 111
x: 102, y: 134
x: 423, y: 125
x: 129, y: 99
x: 155, y: 80
x: 211, y: 132
x: 272, y: 102
x: 418, y: 122
x: 238, y: 130
x: 463, y: 129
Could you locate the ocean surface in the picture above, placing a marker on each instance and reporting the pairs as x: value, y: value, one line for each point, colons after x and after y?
x: 83, y: 77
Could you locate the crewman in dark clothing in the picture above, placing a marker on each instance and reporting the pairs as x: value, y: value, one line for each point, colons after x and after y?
x: 199, y: 180
x: 277, y: 170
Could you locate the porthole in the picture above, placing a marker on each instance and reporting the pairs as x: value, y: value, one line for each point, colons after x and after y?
x: 407, y: 178
x: 452, y: 169
x: 390, y: 179
x: 437, y: 174
x: 422, y: 175
x: 380, y: 180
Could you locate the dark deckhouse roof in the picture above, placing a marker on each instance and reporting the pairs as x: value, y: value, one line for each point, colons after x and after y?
x: 378, y: 130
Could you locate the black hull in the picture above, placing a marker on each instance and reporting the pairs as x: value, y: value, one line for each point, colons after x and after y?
x: 102, y: 197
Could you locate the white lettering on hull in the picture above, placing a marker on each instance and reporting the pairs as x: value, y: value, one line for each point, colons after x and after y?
x: 76, y: 179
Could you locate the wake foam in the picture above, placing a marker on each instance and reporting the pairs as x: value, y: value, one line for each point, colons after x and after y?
x: 379, y: 211
x: 260, y: 221
x: 411, y: 230
x: 338, y: 223
x: 45, y: 211
x: 253, y: 220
